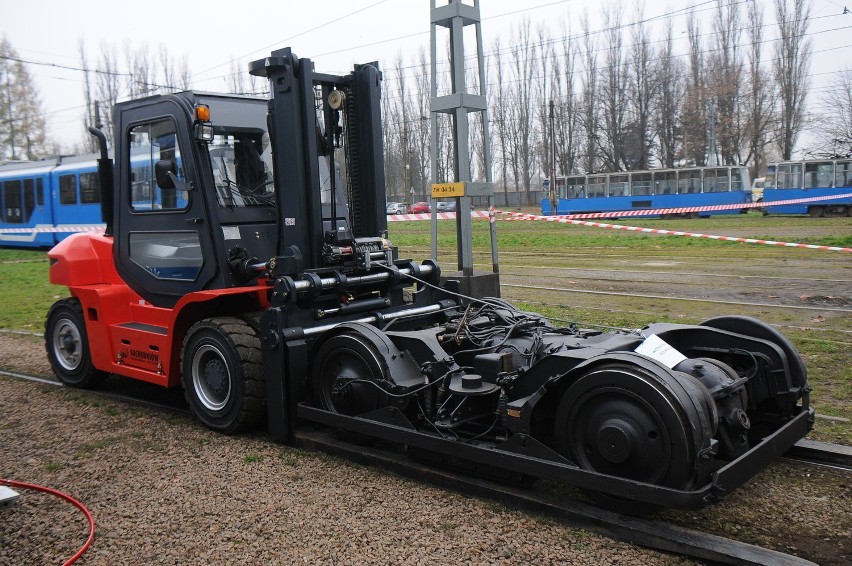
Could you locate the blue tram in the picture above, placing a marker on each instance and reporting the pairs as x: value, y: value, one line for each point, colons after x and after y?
x: 651, y: 190
x: 792, y: 180
x: 43, y: 202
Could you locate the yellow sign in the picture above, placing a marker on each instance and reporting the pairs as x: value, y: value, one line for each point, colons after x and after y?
x: 447, y: 190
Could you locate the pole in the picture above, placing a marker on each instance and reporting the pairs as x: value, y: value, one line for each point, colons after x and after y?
x: 552, y: 163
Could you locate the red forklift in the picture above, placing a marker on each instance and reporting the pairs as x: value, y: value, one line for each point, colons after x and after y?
x: 246, y: 261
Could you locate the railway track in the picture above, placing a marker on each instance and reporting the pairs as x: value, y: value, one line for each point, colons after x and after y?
x: 646, y: 532
x: 673, y: 298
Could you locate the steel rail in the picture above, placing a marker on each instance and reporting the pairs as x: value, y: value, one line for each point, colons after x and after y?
x: 642, y: 531
x: 121, y: 397
x: 649, y: 272
x: 663, y: 297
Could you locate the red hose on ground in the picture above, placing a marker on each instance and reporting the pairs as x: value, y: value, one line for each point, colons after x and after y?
x: 66, y: 497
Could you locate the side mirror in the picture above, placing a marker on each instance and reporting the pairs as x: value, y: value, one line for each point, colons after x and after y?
x: 164, y: 173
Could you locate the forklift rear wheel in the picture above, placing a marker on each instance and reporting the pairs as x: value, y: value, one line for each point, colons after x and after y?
x: 223, y: 374
x: 67, y: 345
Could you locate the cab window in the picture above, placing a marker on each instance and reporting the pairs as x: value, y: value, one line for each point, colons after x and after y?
x: 151, y: 143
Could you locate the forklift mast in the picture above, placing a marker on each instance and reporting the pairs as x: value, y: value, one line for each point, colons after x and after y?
x: 299, y: 135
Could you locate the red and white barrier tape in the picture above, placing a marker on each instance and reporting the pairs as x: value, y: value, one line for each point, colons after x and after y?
x: 568, y: 220
x: 47, y: 228
x: 440, y: 215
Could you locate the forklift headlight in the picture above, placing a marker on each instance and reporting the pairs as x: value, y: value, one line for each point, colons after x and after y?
x: 204, y: 131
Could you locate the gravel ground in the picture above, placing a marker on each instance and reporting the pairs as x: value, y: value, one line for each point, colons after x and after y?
x: 164, y: 490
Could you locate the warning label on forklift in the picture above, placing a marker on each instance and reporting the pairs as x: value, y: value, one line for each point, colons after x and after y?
x: 658, y: 349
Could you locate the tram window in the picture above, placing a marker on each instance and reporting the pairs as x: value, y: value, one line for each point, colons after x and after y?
x: 790, y: 176
x: 819, y: 175
x: 737, y: 180
x: 150, y: 143
x: 770, y: 178
x: 29, y: 198
x: 574, y: 187
x: 716, y: 180
x: 640, y: 184
x: 40, y: 192
x: 665, y: 183
x: 597, y: 186
x: 89, y: 188
x: 843, y: 174
x: 689, y: 182
x: 619, y: 186
x: 12, y: 202
x: 67, y: 189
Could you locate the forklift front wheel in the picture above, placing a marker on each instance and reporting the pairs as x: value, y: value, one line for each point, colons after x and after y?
x: 223, y: 375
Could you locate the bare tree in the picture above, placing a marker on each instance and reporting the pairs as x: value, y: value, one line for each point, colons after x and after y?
x: 693, y: 111
x: 236, y: 79
x: 590, y: 121
x: 524, y: 78
x: 499, y: 104
x: 549, y: 73
x: 91, y: 115
x: 670, y: 73
x: 567, y: 108
x: 613, y: 93
x: 835, y: 133
x: 420, y: 136
x: 792, y: 63
x: 758, y: 100
x: 142, y: 71
x: 642, y: 87
x: 725, y: 69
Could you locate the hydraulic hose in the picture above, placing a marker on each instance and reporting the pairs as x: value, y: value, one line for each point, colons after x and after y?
x: 66, y: 497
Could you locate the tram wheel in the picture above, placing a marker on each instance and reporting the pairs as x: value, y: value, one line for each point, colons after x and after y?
x: 622, y: 420
x: 349, y: 378
x: 758, y: 329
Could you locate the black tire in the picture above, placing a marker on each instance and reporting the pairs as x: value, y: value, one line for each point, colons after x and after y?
x: 349, y: 378
x: 223, y: 376
x: 816, y: 211
x: 621, y: 420
x: 67, y: 345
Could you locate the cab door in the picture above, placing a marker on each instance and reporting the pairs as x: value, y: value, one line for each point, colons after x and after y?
x: 163, y: 247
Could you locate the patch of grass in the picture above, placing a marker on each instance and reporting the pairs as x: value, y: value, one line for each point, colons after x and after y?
x: 252, y: 458
x: 26, y: 292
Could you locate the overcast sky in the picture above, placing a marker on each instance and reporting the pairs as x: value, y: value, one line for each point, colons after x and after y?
x: 334, y: 33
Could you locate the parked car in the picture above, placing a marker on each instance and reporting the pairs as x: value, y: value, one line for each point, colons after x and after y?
x: 395, y: 208
x: 419, y: 208
x: 448, y: 206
